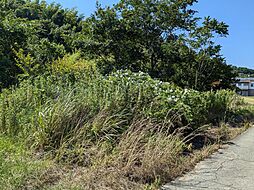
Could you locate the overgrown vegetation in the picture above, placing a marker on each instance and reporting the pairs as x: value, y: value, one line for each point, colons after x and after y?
x: 126, y: 128
x: 125, y: 99
x: 18, y: 164
x: 162, y: 38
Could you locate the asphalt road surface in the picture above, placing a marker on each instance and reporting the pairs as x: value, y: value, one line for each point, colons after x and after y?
x: 231, y: 168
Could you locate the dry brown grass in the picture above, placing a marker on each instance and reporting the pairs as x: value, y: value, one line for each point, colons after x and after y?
x: 146, y: 157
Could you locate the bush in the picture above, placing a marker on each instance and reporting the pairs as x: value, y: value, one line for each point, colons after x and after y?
x: 55, y: 106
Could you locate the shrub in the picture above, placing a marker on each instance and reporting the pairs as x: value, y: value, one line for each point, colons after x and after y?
x: 52, y: 108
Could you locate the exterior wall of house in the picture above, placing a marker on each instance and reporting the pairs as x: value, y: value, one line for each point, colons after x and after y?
x: 243, y: 85
x: 252, y: 85
x: 244, y: 92
x: 251, y: 92
x: 246, y: 85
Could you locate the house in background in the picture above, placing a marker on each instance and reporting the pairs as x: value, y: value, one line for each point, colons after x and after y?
x: 246, y: 86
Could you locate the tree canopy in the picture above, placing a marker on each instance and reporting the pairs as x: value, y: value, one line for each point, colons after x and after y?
x: 162, y: 38
x: 44, y: 32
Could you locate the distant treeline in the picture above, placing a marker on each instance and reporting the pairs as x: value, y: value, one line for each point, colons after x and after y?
x: 244, y: 71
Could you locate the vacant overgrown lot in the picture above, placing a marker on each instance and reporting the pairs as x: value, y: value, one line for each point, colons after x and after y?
x: 67, y: 122
x: 72, y: 128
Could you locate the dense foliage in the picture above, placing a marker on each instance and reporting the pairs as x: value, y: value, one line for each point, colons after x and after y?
x: 33, y: 34
x: 62, y: 102
x: 162, y: 38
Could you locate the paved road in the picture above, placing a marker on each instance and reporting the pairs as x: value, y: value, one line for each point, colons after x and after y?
x: 229, y: 169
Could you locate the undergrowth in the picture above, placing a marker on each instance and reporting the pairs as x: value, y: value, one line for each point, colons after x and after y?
x: 122, y: 131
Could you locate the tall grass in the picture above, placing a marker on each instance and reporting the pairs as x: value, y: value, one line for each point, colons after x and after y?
x: 125, y: 121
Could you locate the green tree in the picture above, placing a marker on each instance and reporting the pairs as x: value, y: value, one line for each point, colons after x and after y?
x: 14, y: 34
x: 133, y: 32
x: 44, y: 32
x: 163, y: 38
x: 203, y: 63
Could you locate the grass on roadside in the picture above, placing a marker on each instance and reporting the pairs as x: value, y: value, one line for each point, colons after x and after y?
x: 249, y: 99
x: 140, y: 161
x: 122, y: 131
x: 17, y: 164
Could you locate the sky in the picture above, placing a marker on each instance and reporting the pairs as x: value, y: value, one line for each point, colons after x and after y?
x: 237, y: 48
